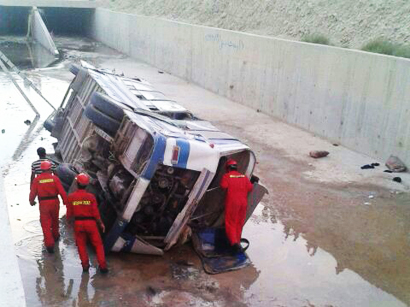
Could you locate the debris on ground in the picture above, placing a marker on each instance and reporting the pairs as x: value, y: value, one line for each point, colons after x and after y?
x: 152, y: 291
x: 371, y: 196
x: 367, y: 166
x: 397, y: 179
x: 185, y: 263
x: 318, y: 154
x: 3, y: 130
x: 367, y: 204
x: 27, y: 122
x: 370, y: 166
x: 394, y: 164
x: 388, y: 171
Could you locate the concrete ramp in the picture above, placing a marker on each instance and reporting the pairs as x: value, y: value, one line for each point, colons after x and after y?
x: 39, y: 32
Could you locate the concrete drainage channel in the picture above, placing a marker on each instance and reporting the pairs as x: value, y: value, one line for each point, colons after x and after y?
x: 250, y: 77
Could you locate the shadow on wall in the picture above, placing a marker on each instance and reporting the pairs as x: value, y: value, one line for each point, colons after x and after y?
x: 14, y: 20
x: 67, y: 21
x: 59, y: 21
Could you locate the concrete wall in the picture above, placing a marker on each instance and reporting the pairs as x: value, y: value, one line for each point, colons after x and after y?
x: 358, y: 99
x: 40, y: 33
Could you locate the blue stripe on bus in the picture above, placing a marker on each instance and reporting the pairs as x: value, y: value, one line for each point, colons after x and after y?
x: 184, y: 148
x: 114, y: 233
x: 129, y: 242
x: 157, y: 156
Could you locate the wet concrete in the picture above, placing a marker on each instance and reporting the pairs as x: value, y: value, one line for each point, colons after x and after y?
x: 312, y: 244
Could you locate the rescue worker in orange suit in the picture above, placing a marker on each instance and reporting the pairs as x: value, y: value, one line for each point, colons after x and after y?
x: 47, y: 187
x: 237, y: 187
x: 82, y: 206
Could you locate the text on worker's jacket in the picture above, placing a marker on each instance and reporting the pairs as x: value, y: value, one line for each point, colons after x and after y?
x: 46, y: 180
x: 81, y: 202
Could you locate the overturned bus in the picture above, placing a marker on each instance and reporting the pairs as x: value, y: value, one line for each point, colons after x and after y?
x: 155, y: 167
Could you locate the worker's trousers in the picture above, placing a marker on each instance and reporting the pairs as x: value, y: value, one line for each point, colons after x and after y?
x: 235, y: 214
x: 88, y: 230
x: 49, y: 210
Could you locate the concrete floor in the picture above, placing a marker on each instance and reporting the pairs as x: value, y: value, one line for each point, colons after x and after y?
x: 329, y: 233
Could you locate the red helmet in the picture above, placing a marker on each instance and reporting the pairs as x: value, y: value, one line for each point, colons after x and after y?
x: 231, y: 162
x: 83, y: 179
x: 45, y: 165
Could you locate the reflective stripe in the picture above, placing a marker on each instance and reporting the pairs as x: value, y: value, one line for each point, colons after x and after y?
x: 236, y: 176
x: 46, y: 180
x: 81, y: 202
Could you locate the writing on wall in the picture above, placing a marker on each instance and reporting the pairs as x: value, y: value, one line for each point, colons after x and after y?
x: 224, y: 43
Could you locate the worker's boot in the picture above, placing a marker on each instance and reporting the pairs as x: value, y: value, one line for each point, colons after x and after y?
x: 50, y: 249
x: 103, y: 270
x: 236, y: 249
x: 85, y: 269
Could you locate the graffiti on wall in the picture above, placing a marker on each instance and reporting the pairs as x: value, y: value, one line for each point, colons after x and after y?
x: 223, y: 43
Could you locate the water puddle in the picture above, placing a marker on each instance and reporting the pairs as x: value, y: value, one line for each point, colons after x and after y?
x: 296, y: 272
x: 27, y: 54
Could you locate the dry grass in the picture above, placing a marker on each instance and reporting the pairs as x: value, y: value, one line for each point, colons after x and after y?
x: 316, y: 39
x: 383, y: 46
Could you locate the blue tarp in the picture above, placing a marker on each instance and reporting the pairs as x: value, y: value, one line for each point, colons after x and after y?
x: 215, y: 252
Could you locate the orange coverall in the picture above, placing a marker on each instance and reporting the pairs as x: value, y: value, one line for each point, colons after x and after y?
x: 83, y: 207
x: 238, y: 186
x: 47, y: 187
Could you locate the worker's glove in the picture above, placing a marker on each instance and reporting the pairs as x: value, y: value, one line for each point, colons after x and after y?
x: 254, y: 179
x: 102, y: 226
x: 33, y: 203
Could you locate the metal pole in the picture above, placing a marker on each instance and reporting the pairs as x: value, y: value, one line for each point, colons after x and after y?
x: 3, y: 66
x: 22, y: 75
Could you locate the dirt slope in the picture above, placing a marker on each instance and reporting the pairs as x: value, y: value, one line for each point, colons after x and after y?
x: 347, y: 23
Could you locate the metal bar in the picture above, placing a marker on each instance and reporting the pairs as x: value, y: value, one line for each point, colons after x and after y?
x: 22, y: 75
x: 27, y: 138
x: 30, y: 16
x: 3, y: 66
